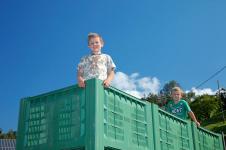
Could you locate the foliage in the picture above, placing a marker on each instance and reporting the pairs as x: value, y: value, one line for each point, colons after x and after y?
x: 217, y: 127
x: 152, y: 98
x: 157, y: 99
x: 165, y: 94
x: 219, y: 117
x: 189, y: 97
x: 222, y: 94
x: 205, y: 106
x: 168, y: 87
x: 9, y: 135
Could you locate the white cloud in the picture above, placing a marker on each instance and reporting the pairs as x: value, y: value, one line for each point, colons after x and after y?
x: 134, y: 85
x: 199, y: 92
x: 142, y: 86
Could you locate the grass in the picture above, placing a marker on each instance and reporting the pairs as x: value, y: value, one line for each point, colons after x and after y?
x: 216, y: 123
x: 218, y: 127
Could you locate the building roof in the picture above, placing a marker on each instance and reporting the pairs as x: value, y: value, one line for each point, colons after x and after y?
x: 7, y: 144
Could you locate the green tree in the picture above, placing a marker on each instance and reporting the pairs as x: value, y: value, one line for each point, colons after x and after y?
x: 11, y: 134
x: 157, y: 99
x: 168, y: 87
x: 1, y: 134
x: 189, y: 97
x: 164, y: 95
x: 222, y: 94
x: 152, y: 98
x: 205, y: 106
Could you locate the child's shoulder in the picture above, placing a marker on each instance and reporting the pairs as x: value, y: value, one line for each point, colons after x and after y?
x: 183, y: 101
x: 86, y: 56
x: 106, y: 56
x: 170, y: 103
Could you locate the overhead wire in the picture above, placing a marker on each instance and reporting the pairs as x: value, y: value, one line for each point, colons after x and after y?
x: 212, y: 76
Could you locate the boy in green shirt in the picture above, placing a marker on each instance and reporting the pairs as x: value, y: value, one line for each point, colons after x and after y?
x: 180, y: 107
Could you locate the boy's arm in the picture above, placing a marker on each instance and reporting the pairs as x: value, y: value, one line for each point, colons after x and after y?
x: 192, y: 115
x: 110, y: 77
x: 81, y: 81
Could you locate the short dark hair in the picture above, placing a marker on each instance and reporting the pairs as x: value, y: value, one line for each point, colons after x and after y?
x: 92, y: 35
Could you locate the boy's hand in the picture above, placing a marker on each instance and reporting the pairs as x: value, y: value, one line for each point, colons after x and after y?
x: 81, y: 83
x: 106, y: 83
x: 197, y: 123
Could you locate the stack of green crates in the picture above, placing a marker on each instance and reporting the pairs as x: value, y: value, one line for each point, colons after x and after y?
x: 98, y: 118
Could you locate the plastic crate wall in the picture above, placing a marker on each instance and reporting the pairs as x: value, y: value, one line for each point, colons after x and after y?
x: 127, y: 121
x: 52, y: 120
x: 206, y: 140
x: 98, y: 118
x: 170, y: 132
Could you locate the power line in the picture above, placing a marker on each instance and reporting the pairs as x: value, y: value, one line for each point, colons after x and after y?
x: 211, y: 77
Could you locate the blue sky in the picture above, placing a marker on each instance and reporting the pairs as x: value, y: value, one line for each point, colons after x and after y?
x: 151, y: 43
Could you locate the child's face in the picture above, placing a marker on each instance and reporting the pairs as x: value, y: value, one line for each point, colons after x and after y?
x: 95, y: 44
x: 176, y: 95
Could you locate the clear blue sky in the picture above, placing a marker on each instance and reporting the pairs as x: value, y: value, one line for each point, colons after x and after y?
x: 42, y: 41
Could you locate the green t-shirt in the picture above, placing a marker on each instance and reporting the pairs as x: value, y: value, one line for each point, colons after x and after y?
x: 180, y: 109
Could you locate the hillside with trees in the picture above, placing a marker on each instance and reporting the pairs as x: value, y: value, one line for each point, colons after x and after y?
x: 210, y: 110
x: 9, y: 135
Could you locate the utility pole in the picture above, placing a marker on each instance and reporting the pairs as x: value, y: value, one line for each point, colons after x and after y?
x: 219, y: 95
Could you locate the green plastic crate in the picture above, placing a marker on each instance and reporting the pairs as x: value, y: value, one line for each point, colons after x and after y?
x: 98, y: 118
x: 170, y: 132
x: 206, y: 140
x: 127, y: 121
x: 54, y: 120
x: 93, y: 118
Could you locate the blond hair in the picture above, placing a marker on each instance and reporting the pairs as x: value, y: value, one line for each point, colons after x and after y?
x: 92, y: 35
x: 177, y: 89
